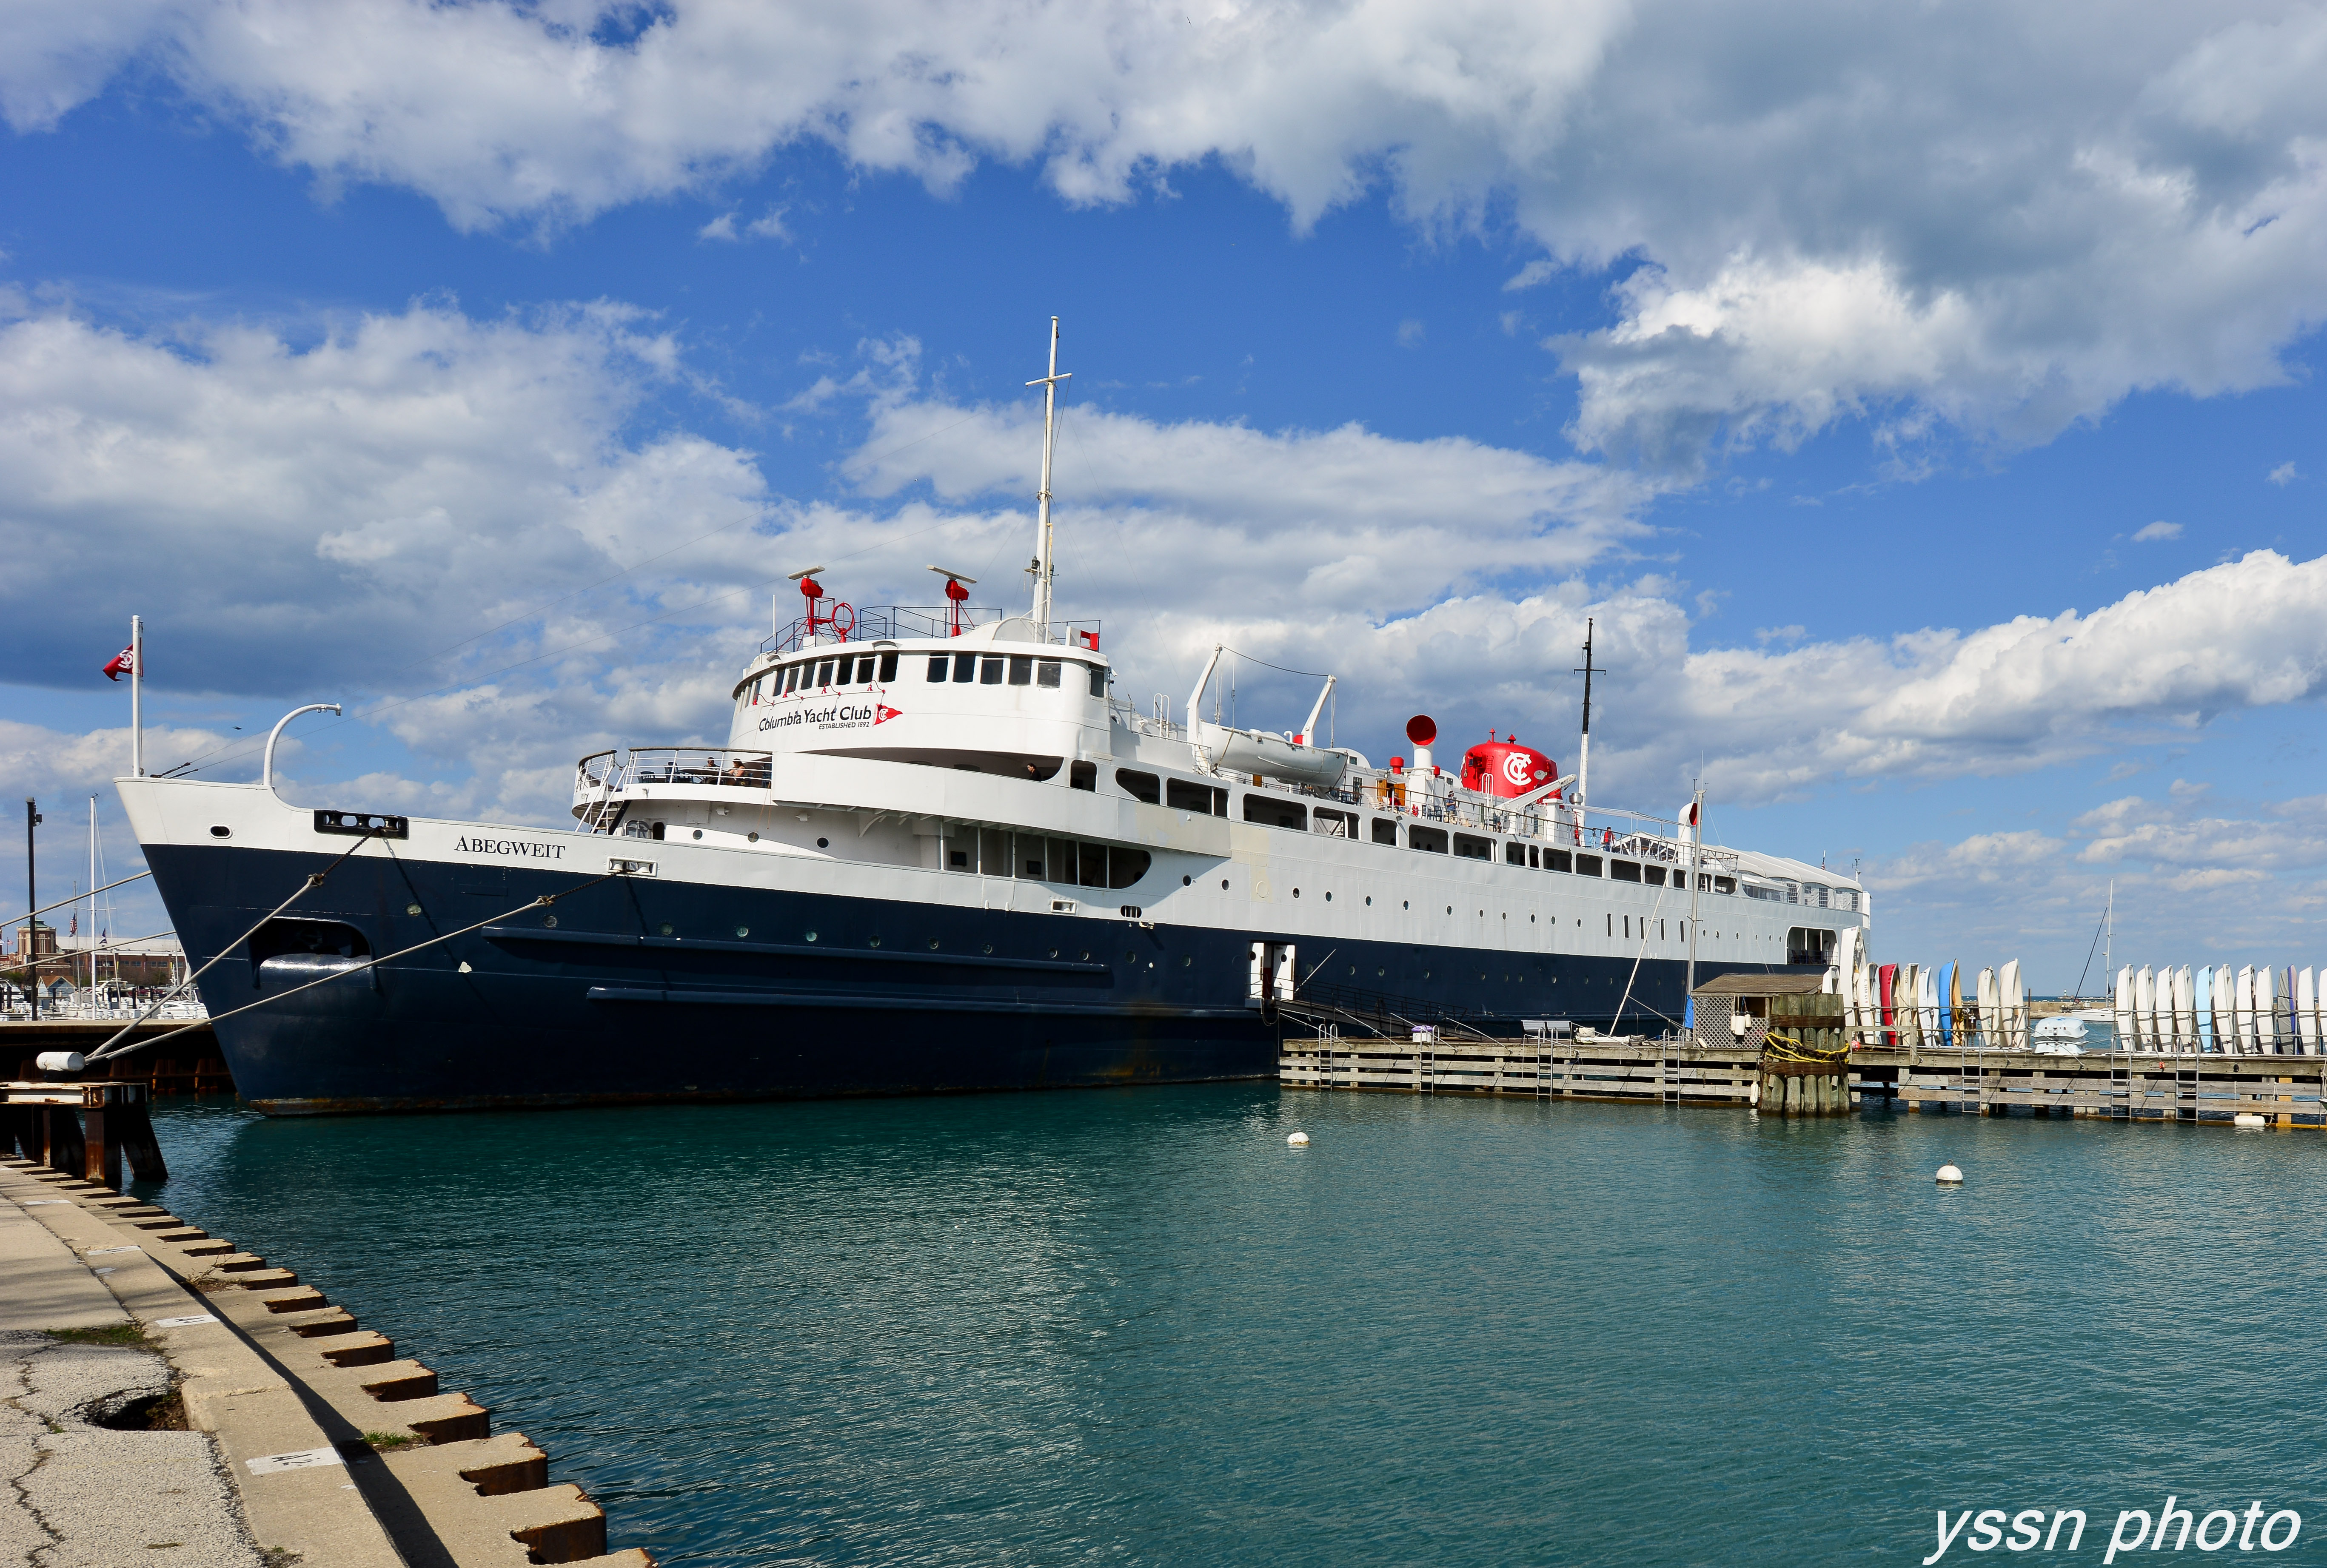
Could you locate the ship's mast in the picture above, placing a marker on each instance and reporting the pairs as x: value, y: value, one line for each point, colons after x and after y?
x: 1584, y: 764
x: 1042, y: 568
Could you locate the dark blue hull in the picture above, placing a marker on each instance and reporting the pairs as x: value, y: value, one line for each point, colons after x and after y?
x: 641, y: 989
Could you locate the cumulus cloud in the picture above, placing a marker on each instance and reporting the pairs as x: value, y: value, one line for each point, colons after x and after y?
x: 2002, y: 217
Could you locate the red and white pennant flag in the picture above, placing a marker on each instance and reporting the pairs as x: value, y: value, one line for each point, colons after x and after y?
x: 122, y: 663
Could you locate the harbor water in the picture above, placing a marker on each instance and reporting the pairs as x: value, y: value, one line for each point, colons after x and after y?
x: 1137, y: 1327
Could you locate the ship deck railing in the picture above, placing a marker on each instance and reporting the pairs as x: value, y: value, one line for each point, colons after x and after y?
x: 901, y: 623
x: 606, y: 774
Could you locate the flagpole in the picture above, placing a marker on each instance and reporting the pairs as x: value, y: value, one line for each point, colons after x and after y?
x: 136, y: 709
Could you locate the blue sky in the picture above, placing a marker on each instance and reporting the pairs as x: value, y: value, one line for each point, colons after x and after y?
x: 1809, y: 353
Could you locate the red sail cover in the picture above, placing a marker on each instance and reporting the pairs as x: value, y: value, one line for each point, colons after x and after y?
x: 1505, y: 768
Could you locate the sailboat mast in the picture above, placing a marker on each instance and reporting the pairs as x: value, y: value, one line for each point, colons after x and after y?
x: 1042, y: 567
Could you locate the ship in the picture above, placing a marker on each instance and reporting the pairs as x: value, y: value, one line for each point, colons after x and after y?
x: 939, y: 852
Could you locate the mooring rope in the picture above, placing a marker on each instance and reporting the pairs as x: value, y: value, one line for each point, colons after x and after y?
x: 1788, y: 1049
x: 542, y: 902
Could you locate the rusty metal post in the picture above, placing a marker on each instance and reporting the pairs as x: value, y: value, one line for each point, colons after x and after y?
x: 100, y: 1145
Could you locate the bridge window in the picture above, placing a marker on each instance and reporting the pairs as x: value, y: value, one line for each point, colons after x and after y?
x: 824, y: 673
x: 1139, y: 786
x: 1046, y: 673
x: 1021, y: 668
x: 792, y: 678
x: 965, y: 667
x: 1587, y: 865
x: 937, y: 663
x: 888, y: 668
x: 1097, y: 681
x: 990, y: 672
x: 1385, y: 831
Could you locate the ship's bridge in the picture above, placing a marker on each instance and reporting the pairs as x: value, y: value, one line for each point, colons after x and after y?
x: 976, y: 691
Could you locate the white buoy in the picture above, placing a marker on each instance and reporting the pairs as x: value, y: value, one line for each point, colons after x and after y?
x: 2248, y: 1119
x: 1299, y: 1140
x: 1950, y: 1176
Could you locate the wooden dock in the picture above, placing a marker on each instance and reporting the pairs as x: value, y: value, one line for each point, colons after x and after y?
x: 2288, y: 1091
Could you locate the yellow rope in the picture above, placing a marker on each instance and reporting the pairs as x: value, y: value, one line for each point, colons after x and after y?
x: 1785, y: 1048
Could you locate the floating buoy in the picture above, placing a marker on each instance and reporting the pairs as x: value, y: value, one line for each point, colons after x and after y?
x: 1299, y: 1140
x: 2248, y: 1119
x: 1950, y: 1176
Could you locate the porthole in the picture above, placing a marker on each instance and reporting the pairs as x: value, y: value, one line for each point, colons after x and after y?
x: 1353, y: 968
x: 1224, y: 885
x: 824, y: 843
x: 1329, y: 898
x: 933, y: 943
x: 869, y: 941
x: 549, y: 920
x: 1369, y: 901
x: 222, y: 830
x: 989, y: 947
x: 412, y: 909
x: 698, y: 832
x: 666, y: 927
x: 1379, y: 973
x: 1296, y: 892
x: 743, y: 930
x: 1187, y: 880
x: 1131, y: 957
x: 751, y: 838
x: 1087, y: 957
x: 1188, y: 961
x: 1054, y: 952
x: 811, y: 936
x: 1405, y: 903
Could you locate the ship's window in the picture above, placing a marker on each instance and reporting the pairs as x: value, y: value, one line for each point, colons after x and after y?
x: 1515, y: 853
x: 1654, y: 875
x: 1275, y: 813
x: 1432, y: 839
x: 1046, y: 673
x: 937, y: 663
x: 1623, y: 870
x: 1021, y: 668
x: 1097, y: 681
x: 958, y: 860
x: 965, y: 667
x: 1385, y: 831
x: 1336, y: 823
x: 1587, y: 865
x: 1029, y: 857
x: 1062, y: 861
x: 1468, y: 846
x: 1124, y: 867
x: 792, y: 678
x: 888, y: 668
x: 1094, y: 865
x: 824, y: 673
x: 1140, y: 786
x: 1084, y: 776
x: 1725, y: 884
x: 990, y: 672
x: 1532, y: 861
x: 1182, y: 795
x: 865, y: 668
x: 1557, y: 859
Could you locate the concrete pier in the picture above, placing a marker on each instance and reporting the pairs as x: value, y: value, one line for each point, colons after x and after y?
x: 331, y: 1450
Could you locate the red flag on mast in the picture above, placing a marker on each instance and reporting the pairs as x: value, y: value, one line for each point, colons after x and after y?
x: 121, y: 663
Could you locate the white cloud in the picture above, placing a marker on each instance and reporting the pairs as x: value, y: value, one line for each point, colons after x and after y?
x: 2152, y: 532
x: 720, y: 228
x: 1533, y: 273
x: 2002, y: 217
x: 2282, y: 475
x: 1411, y: 333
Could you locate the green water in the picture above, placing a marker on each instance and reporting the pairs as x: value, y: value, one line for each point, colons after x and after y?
x: 1135, y: 1327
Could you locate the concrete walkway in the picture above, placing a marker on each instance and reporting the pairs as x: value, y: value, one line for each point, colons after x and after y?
x: 322, y: 1448
x: 79, y: 1494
